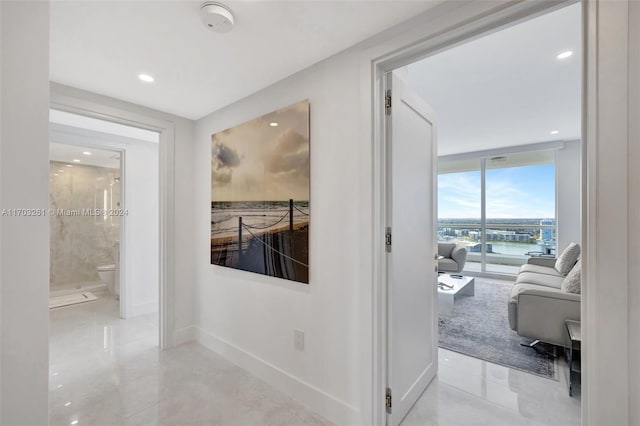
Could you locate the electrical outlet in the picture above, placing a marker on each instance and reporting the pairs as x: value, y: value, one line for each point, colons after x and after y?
x: 298, y: 340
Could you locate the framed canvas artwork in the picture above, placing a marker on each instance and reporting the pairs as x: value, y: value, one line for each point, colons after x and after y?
x: 260, y: 195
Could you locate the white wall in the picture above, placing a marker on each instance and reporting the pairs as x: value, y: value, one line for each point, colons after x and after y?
x: 141, y: 189
x: 568, y: 194
x: 182, y: 302
x: 142, y: 250
x: 251, y: 318
x: 24, y: 246
x: 634, y: 212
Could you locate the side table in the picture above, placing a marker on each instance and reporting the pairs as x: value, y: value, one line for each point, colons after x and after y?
x: 572, y: 353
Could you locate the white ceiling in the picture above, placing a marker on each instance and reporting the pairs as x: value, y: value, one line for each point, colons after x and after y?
x: 99, y: 157
x: 102, y: 46
x: 507, y: 88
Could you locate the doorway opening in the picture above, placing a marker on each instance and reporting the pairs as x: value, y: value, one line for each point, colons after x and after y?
x: 508, y: 108
x: 105, y: 250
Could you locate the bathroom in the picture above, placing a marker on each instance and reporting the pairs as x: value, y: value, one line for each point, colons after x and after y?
x: 104, y: 217
x: 85, y: 202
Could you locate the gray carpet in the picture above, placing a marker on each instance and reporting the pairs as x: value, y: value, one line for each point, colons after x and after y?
x: 479, y: 327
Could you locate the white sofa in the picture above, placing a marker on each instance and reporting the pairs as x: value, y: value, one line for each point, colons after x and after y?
x: 538, y: 306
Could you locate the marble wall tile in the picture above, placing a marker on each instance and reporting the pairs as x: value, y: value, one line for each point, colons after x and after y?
x: 80, y: 243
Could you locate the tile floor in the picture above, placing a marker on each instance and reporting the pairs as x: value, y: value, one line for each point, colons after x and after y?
x: 108, y: 371
x: 469, y: 391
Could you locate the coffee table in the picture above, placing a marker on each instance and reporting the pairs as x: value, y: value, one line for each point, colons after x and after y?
x: 464, y: 285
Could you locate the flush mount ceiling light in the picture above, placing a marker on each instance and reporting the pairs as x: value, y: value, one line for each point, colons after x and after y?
x: 75, y: 160
x: 554, y: 132
x: 274, y: 124
x: 146, y: 78
x: 86, y: 153
x: 216, y: 17
x: 69, y: 165
x: 564, y: 55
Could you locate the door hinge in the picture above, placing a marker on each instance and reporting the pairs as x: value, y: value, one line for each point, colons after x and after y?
x: 387, y: 239
x: 388, y: 400
x: 387, y: 102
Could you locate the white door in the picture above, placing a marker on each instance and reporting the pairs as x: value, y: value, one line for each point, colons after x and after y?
x: 412, y: 357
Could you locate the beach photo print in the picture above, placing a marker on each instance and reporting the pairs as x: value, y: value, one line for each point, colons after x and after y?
x: 260, y: 195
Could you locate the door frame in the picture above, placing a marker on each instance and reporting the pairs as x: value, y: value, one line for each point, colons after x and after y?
x: 76, y: 104
x: 508, y: 15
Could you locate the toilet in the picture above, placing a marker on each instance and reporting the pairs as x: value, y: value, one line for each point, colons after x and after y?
x: 107, y: 274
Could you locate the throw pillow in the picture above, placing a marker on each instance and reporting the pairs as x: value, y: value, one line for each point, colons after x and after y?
x: 568, y: 258
x: 571, y: 283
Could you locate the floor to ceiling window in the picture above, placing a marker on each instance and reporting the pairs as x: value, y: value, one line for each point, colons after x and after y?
x: 502, y: 208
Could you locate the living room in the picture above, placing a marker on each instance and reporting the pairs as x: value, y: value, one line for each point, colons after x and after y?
x: 508, y: 195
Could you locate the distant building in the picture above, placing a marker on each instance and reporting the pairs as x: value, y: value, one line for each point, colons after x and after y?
x: 547, y: 234
x: 500, y: 235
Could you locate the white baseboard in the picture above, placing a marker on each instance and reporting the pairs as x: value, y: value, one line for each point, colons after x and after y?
x: 184, y: 335
x: 328, y: 406
x: 144, y: 308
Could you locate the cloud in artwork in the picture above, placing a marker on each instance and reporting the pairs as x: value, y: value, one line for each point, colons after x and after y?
x: 289, y: 155
x: 255, y: 161
x: 223, y: 160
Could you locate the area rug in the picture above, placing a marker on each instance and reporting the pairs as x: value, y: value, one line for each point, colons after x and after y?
x: 479, y: 327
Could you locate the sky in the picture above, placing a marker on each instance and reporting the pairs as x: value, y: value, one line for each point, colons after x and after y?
x: 514, y: 192
x: 256, y: 161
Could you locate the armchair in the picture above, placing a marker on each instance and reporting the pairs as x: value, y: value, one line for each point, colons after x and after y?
x: 452, y: 257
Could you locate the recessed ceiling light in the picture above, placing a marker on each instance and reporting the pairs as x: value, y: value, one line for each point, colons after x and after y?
x: 554, y: 132
x: 86, y: 153
x: 55, y: 174
x: 67, y: 404
x: 146, y: 78
x: 69, y: 165
x: 75, y: 422
x: 75, y: 160
x: 61, y: 170
x: 565, y: 55
x: 274, y: 124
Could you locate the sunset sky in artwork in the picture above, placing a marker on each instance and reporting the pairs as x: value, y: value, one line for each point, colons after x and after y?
x: 256, y: 161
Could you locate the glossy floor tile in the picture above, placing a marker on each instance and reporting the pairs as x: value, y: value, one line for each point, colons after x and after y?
x: 469, y: 391
x: 108, y: 371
